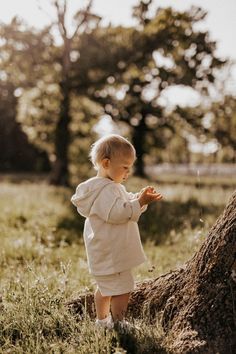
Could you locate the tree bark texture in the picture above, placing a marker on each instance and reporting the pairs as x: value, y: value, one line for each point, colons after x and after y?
x: 194, y: 304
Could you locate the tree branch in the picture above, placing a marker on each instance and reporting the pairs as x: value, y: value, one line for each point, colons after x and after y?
x: 61, y: 18
x: 85, y: 15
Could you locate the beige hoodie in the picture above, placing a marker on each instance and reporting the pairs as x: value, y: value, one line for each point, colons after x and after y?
x: 111, y: 231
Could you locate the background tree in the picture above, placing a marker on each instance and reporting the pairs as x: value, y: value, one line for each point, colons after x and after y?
x: 42, y: 78
x: 166, y: 50
x: 220, y: 121
x: 84, y: 20
x: 19, y: 70
x: 215, y: 123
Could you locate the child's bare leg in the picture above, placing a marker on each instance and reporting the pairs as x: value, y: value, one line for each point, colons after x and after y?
x: 102, y: 304
x: 119, y: 304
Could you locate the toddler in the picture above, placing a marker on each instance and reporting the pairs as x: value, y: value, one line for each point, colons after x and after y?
x: 111, y: 233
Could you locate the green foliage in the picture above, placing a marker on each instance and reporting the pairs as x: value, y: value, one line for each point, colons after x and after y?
x: 25, y: 53
x: 221, y: 123
x: 24, y: 63
x: 214, y: 123
x: 140, y: 65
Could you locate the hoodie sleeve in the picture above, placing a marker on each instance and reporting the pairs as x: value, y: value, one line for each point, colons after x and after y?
x: 133, y: 196
x: 112, y: 208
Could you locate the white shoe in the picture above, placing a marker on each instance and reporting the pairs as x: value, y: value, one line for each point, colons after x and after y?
x: 106, y: 323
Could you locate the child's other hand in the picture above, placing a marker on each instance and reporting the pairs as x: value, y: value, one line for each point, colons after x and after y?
x: 148, y: 195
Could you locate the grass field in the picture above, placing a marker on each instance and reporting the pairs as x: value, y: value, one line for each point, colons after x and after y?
x: 43, y: 262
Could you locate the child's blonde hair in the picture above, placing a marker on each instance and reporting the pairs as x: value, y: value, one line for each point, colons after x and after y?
x: 110, y: 146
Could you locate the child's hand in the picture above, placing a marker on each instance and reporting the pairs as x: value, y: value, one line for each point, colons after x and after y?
x: 148, y: 195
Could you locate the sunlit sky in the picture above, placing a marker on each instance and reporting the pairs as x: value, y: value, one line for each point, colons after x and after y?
x: 220, y: 21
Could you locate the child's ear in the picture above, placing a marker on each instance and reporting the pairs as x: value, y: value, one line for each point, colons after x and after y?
x: 105, y: 163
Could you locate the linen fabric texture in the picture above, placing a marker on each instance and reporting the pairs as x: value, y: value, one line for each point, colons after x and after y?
x: 115, y: 284
x: 111, y: 232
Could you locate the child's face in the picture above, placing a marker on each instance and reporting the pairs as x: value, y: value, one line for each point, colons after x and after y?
x: 119, y: 168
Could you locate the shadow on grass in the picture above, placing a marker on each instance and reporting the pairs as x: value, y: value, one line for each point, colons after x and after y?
x: 155, y: 224
x: 134, y: 343
x: 70, y: 228
x: 162, y: 218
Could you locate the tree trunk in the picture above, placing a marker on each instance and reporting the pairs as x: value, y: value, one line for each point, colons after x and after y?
x: 60, y: 172
x: 138, y: 142
x: 196, y: 304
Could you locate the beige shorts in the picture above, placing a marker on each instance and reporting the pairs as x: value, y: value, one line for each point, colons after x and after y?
x: 115, y: 284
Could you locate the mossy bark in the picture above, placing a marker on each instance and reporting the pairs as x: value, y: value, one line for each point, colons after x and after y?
x: 196, y: 303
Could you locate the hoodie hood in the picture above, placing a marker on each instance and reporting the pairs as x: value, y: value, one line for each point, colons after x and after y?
x: 87, y: 192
